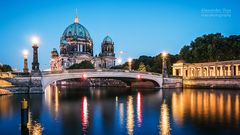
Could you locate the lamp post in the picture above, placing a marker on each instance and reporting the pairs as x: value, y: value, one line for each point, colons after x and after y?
x: 129, y: 64
x: 164, y: 64
x: 25, y: 56
x: 35, y: 64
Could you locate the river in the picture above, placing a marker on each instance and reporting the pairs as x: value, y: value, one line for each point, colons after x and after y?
x: 102, y: 111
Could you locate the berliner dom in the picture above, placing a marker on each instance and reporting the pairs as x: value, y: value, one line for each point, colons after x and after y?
x: 76, y: 45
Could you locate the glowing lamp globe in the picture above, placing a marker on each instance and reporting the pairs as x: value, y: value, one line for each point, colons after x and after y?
x: 119, y: 61
x: 129, y: 60
x: 164, y: 54
x: 35, y: 41
x: 25, y: 53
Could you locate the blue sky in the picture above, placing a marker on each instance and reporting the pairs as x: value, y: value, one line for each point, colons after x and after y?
x: 138, y: 27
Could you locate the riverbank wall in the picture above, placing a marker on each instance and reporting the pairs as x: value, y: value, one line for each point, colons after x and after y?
x: 22, y: 85
x: 212, y: 83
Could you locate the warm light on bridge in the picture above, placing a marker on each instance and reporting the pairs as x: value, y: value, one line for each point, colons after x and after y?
x: 139, y: 76
x: 84, y: 76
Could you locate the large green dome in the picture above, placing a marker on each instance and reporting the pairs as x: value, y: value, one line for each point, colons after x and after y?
x: 76, y: 30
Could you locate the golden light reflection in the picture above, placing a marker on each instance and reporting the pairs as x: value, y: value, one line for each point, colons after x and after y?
x: 139, y: 109
x: 228, y: 108
x: 56, y: 100
x: 199, y: 104
x: 116, y: 101
x: 221, y: 107
x: 48, y: 96
x: 164, y: 120
x: 209, y: 107
x: 36, y: 129
x: 84, y: 113
x: 177, y: 108
x: 130, y: 115
x: 205, y: 103
x: 213, y: 106
x: 237, y: 109
x: 5, y: 105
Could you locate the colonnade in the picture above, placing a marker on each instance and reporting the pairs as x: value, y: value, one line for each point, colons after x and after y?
x: 210, y: 69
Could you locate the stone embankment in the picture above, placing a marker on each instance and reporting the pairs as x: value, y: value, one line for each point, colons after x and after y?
x: 22, y: 85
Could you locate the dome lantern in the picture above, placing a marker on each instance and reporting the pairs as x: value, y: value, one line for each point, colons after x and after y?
x: 76, y: 19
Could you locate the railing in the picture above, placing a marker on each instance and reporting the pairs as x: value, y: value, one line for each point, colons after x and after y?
x: 96, y: 70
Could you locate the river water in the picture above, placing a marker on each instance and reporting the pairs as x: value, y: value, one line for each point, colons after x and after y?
x: 113, y: 111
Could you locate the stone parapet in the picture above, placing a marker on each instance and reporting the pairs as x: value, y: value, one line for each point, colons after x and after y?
x: 215, y: 83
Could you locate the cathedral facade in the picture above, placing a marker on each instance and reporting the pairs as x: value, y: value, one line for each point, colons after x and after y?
x: 76, y: 45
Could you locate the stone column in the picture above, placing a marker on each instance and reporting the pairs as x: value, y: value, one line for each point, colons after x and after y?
x: 174, y: 71
x: 181, y: 71
x: 221, y: 71
x: 208, y: 71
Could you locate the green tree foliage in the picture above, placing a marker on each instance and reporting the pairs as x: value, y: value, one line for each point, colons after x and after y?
x: 152, y: 64
x: 207, y: 48
x: 142, y: 67
x: 5, y: 68
x: 83, y: 65
x: 212, y: 47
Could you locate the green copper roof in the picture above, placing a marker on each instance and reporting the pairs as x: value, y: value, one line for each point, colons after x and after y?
x: 77, y: 30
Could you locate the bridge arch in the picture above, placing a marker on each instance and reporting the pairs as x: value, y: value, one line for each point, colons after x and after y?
x: 49, y: 78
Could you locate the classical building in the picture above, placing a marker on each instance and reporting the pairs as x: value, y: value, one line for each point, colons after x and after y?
x: 76, y: 45
x: 209, y: 69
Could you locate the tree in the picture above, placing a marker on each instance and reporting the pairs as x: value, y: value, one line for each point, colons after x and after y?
x: 212, y: 47
x: 142, y: 67
x: 5, y: 68
x: 83, y: 65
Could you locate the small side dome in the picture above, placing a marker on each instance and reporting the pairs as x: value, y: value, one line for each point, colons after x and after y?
x: 108, y: 39
x: 54, y: 50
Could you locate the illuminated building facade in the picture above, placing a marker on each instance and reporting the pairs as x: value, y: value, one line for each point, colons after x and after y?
x: 76, y: 45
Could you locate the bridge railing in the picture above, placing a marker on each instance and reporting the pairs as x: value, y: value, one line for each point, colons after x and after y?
x: 97, y: 70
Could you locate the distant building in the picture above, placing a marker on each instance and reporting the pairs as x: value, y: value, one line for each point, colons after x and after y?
x: 76, y: 45
x: 208, y: 69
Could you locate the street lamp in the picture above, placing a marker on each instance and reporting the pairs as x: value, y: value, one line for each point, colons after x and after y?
x: 164, y: 64
x: 35, y: 64
x: 25, y: 56
x: 119, y: 60
x: 129, y: 64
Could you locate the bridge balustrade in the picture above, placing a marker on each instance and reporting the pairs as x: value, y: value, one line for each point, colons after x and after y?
x: 97, y: 70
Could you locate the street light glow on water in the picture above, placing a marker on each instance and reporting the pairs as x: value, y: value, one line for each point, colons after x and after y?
x: 73, y: 110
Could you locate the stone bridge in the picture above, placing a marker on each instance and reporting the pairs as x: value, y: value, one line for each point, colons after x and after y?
x: 50, y: 77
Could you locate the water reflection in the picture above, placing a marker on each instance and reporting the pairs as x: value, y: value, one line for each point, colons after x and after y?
x: 6, y: 109
x: 123, y: 111
x: 206, y: 106
x: 164, y: 120
x: 84, y: 114
x: 139, y: 109
x: 33, y: 127
x: 130, y: 115
x: 121, y: 114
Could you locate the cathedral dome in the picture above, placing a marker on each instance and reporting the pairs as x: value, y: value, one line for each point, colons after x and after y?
x: 107, y: 39
x: 76, y: 30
